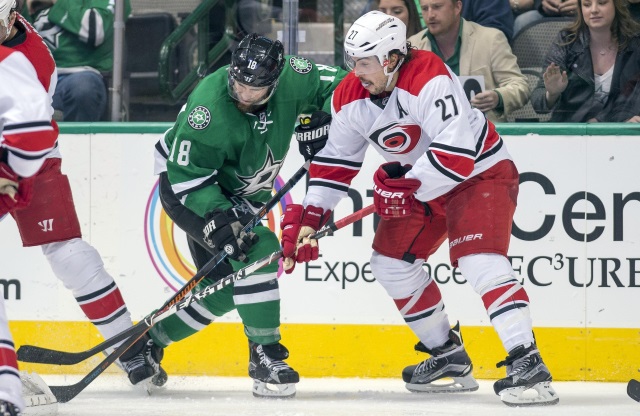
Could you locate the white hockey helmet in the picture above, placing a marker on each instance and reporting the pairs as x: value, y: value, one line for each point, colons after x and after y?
x: 375, y: 34
x: 5, y: 9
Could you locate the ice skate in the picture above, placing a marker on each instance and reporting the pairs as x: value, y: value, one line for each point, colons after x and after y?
x: 8, y: 409
x: 38, y: 399
x: 142, y: 364
x: 272, y: 377
x: 528, y: 381
x: 448, y: 370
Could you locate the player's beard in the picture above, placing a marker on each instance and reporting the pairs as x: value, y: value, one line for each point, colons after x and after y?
x: 249, y: 108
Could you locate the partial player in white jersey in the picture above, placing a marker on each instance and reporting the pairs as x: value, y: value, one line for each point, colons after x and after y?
x: 74, y: 262
x: 448, y: 174
x: 27, y: 135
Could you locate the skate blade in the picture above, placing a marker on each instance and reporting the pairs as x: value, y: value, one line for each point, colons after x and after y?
x: 541, y: 394
x: 273, y: 391
x: 445, y: 385
x: 148, y: 387
x: 47, y: 409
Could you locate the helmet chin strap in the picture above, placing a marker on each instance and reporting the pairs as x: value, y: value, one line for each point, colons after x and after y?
x: 390, y: 74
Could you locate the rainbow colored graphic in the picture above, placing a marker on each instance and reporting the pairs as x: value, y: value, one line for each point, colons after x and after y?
x: 166, y: 243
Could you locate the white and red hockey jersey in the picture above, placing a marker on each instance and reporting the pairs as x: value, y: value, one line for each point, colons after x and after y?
x: 426, y: 121
x: 30, y: 43
x: 27, y: 131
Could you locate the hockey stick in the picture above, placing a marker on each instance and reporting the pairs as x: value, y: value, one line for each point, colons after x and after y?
x: 35, y: 354
x: 633, y: 389
x: 66, y: 393
x: 250, y: 269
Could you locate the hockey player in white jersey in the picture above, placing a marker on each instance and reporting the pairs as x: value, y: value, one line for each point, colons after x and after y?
x: 448, y: 174
x: 26, y: 137
x: 76, y: 263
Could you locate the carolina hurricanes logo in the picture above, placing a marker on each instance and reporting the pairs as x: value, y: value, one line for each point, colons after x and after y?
x: 396, y: 138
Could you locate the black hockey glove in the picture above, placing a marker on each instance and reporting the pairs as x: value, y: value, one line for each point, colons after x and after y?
x: 223, y: 231
x: 312, y: 133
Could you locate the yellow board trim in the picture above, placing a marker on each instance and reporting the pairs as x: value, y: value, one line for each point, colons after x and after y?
x: 319, y: 350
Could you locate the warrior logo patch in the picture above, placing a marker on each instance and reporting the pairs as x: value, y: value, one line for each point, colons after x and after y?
x: 300, y: 65
x: 199, y: 118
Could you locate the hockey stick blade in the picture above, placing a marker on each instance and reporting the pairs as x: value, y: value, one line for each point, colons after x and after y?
x: 40, y: 355
x: 633, y: 389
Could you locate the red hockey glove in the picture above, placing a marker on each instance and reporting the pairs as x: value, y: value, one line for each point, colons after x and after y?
x: 393, y: 193
x: 297, y: 224
x: 15, y: 193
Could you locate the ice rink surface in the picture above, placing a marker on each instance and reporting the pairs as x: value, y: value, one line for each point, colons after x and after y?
x: 110, y: 395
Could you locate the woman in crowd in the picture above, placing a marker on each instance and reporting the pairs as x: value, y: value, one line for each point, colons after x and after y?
x: 590, y: 63
x: 405, y: 10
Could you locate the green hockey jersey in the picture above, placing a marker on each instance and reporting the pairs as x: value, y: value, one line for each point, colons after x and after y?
x: 216, y: 154
x: 80, y: 32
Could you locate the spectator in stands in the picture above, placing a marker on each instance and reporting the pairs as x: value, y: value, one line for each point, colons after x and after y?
x: 80, y: 36
x: 470, y: 49
x: 545, y: 8
x: 490, y: 13
x: 404, y: 10
x: 589, y: 64
x: 626, y: 106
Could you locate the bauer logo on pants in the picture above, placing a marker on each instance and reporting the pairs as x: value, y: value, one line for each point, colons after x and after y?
x: 199, y: 118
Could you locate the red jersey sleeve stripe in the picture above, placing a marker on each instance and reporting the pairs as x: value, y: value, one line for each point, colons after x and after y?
x: 39, y: 136
x: 455, y: 167
x: 337, y: 174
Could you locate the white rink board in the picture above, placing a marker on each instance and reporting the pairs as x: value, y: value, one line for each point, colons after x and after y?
x: 112, y: 180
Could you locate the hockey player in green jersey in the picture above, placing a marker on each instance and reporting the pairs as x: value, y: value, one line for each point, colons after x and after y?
x: 217, y: 167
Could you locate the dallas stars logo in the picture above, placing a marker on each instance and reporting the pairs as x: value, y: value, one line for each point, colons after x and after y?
x: 199, y: 118
x: 300, y: 65
x: 262, y: 179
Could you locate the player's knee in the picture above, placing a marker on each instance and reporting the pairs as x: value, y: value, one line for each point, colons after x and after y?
x: 75, y: 263
x: 484, y: 271
x: 399, y: 278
